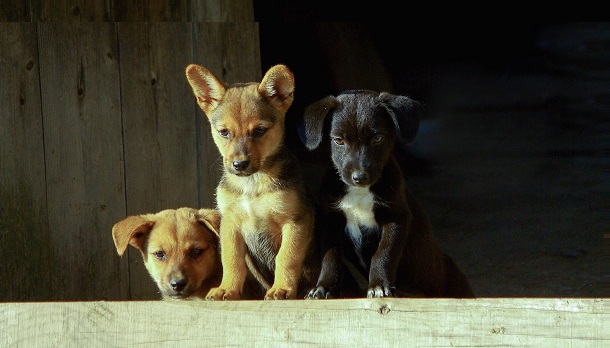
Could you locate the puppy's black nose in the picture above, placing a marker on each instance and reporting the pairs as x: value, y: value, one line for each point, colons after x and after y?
x: 178, y: 284
x: 360, y: 178
x: 241, y: 165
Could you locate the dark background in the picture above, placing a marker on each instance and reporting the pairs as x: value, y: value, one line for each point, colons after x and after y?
x: 511, y: 158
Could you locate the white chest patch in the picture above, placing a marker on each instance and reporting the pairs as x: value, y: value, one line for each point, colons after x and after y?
x: 357, y: 205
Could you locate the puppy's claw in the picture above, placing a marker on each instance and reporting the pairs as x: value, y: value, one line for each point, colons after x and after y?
x: 381, y: 291
x: 278, y: 294
x: 218, y: 294
x: 318, y: 292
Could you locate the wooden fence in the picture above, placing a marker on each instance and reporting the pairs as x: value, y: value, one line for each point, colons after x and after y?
x: 97, y: 121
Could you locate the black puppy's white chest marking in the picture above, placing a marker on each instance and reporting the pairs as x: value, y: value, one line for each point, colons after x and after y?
x: 357, y: 205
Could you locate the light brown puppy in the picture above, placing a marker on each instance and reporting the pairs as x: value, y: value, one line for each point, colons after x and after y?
x: 261, y: 195
x: 179, y: 248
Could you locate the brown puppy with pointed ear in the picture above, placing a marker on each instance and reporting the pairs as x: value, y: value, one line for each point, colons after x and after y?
x: 179, y: 248
x: 266, y: 212
x: 384, y: 237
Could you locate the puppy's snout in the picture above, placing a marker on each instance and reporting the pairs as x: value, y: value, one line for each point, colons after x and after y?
x: 241, y: 165
x: 360, y: 178
x: 178, y: 284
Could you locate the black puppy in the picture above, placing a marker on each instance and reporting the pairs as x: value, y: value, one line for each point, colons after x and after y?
x: 373, y: 226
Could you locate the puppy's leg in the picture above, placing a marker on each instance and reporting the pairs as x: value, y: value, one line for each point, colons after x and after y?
x: 233, y: 253
x: 384, y: 264
x: 296, y: 237
x: 331, y: 271
x: 329, y: 276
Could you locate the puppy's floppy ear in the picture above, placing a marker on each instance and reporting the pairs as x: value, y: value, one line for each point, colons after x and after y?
x: 278, y: 87
x: 406, y: 114
x: 207, y: 88
x: 131, y: 230
x: 211, y: 218
x: 312, y: 125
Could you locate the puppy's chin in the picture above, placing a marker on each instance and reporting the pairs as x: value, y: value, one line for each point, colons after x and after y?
x: 180, y: 295
x: 241, y: 173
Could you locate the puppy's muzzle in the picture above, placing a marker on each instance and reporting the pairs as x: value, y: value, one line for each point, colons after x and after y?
x: 241, y: 165
x: 360, y: 178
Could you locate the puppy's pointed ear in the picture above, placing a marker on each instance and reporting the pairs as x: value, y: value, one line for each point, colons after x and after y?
x: 207, y: 88
x: 311, y: 128
x: 278, y: 87
x: 210, y: 218
x: 406, y: 114
x: 131, y: 230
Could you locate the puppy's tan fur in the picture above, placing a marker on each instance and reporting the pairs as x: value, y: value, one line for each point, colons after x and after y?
x: 261, y: 195
x: 179, y: 248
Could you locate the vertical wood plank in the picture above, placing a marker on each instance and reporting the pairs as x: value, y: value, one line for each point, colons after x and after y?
x: 71, y: 10
x: 231, y: 51
x: 151, y: 11
x: 24, y: 234
x: 222, y: 11
x: 160, y: 128
x: 83, y: 150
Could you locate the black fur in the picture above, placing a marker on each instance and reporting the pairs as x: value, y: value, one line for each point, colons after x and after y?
x: 392, y: 251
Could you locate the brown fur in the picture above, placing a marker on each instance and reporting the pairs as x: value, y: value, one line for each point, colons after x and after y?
x: 179, y: 248
x: 266, y: 213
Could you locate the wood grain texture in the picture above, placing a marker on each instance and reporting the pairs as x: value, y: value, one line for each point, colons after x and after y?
x: 24, y: 235
x: 159, y: 127
x: 222, y: 11
x: 72, y: 10
x: 485, y: 322
x: 151, y: 10
x: 79, y: 76
x: 231, y: 51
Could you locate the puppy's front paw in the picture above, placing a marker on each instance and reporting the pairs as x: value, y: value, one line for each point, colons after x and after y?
x: 279, y: 294
x: 318, y: 293
x: 219, y: 294
x: 381, y: 291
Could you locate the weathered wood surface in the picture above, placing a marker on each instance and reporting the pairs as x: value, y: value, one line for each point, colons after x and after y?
x: 80, y: 88
x: 127, y: 11
x: 486, y: 322
x: 23, y: 202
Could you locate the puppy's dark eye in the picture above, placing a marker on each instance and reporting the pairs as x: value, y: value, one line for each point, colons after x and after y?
x: 159, y: 255
x: 338, y: 141
x: 259, y: 132
x: 224, y: 133
x: 196, y: 252
x: 377, y: 139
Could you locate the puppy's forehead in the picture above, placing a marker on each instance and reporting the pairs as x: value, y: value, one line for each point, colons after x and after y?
x: 179, y: 226
x: 357, y: 109
x: 242, y: 107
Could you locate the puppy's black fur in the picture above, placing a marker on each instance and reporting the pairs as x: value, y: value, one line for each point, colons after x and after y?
x: 376, y: 234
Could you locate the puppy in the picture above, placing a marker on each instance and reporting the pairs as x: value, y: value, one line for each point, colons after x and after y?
x: 267, y: 214
x: 179, y: 248
x: 383, y: 235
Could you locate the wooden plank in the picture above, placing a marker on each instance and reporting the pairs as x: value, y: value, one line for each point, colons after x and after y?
x: 79, y: 76
x: 222, y: 11
x: 159, y: 125
x: 152, y: 11
x: 72, y: 10
x: 485, y: 322
x: 232, y: 52
x: 23, y: 209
